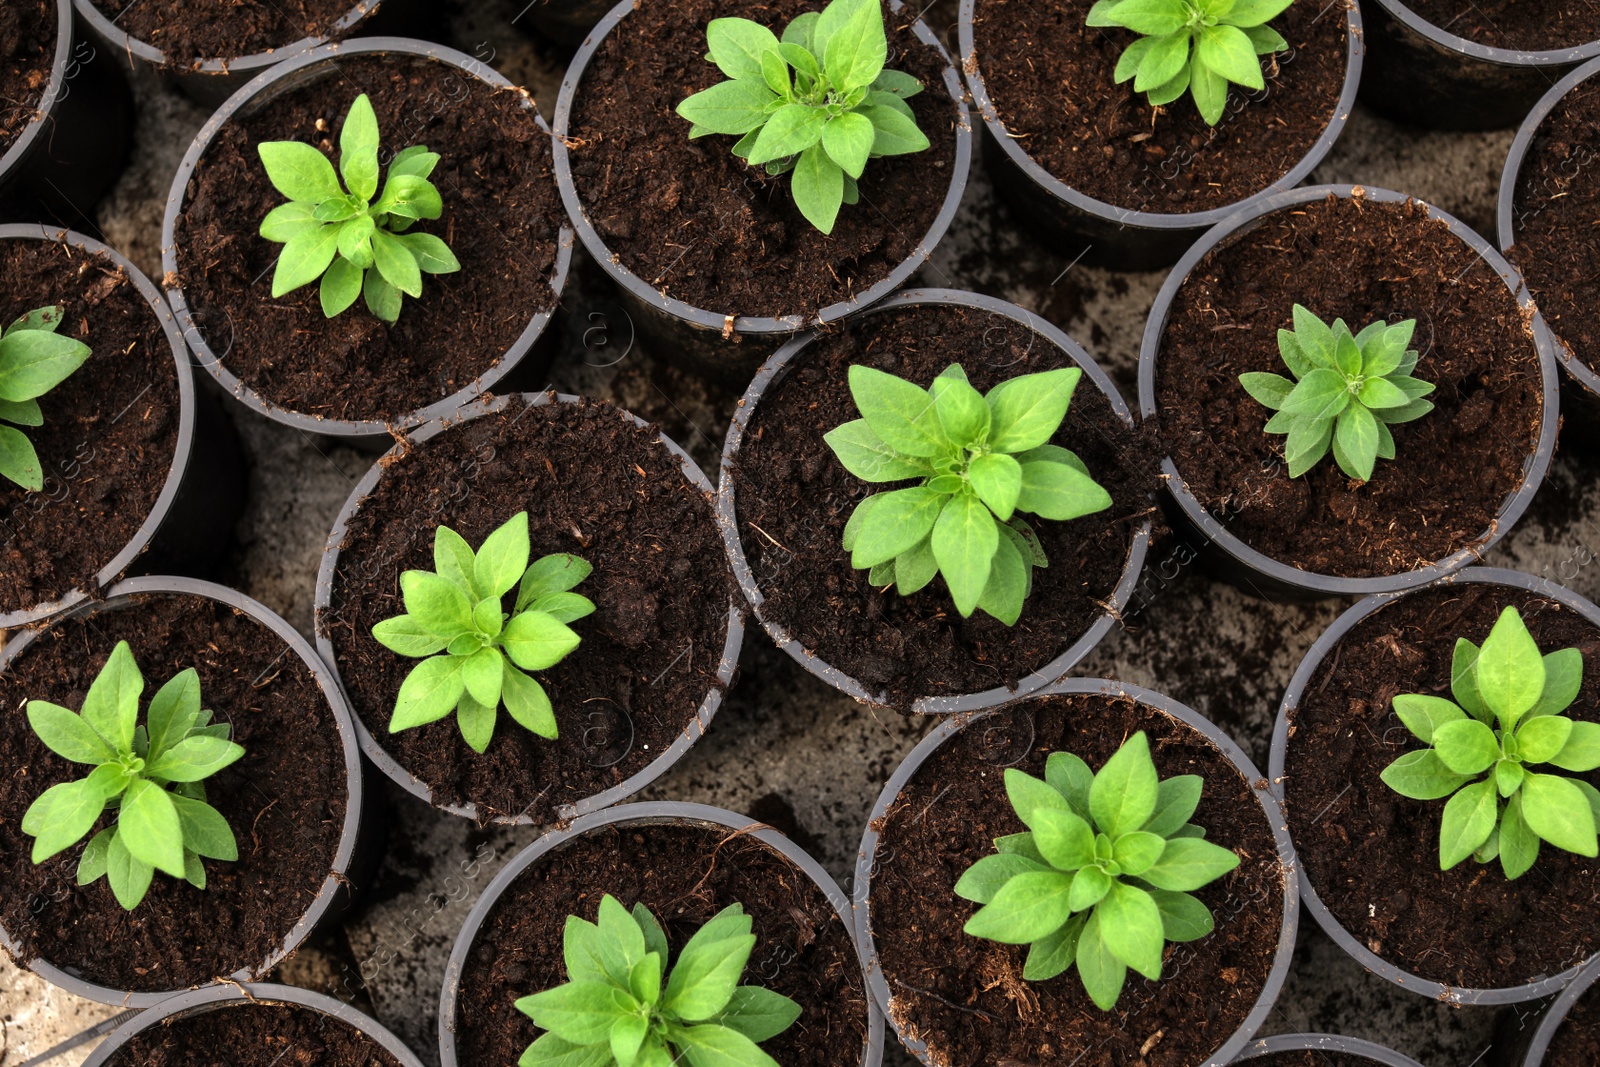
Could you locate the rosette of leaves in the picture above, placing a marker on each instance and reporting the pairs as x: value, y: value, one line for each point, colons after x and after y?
x: 624, y: 1005
x: 1193, y: 46
x: 1348, y: 390
x: 34, y: 359
x: 152, y: 775
x: 817, y: 102
x: 1103, y: 876
x: 477, y: 652
x: 358, y: 246
x: 1505, y: 719
x: 982, y: 461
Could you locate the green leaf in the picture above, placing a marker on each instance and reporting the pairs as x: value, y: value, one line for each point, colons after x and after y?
x: 705, y: 976
x: 436, y: 604
x: 1131, y: 926
x: 96, y: 856
x: 383, y: 299
x: 416, y: 160
x: 61, y: 816
x: 341, y: 285
x: 1245, y: 13
x: 1183, y: 917
x: 580, y: 950
x: 1271, y: 390
x: 1210, y: 92
x: 832, y: 19
x: 1150, y: 18
x: 1028, y: 795
x: 818, y: 187
x: 194, y: 759
x: 757, y: 1013
x: 1558, y: 812
x: 897, y: 523
x: 800, y: 30
x: 564, y: 607
x: 1321, y: 394
x: 287, y: 220
x: 1510, y: 670
x: 394, y: 261
x: 1027, y: 410
x: 1307, y: 444
x: 130, y: 878
x: 67, y: 735
x: 732, y: 107
x: 1134, y: 55
x: 1540, y: 739
x: 854, y: 54
x: 962, y: 412
x: 404, y: 635
x: 1469, y: 818
x: 503, y: 558
x: 481, y: 673
x: 430, y: 692
x: 711, y: 1045
x: 204, y: 829
x: 1519, y: 845
x: 790, y: 130
x: 409, y: 197
x: 997, y: 479
x: 1356, y: 439
x: 1020, y: 845
x: 580, y: 1012
x: 1010, y: 579
x: 1028, y: 907
x: 1068, y: 775
x: 865, y: 455
x: 627, y: 1035
x: 1165, y: 59
x: 964, y: 542
x: 1125, y: 790
x: 148, y: 825
x: 551, y: 1051
x: 527, y: 703
x: 737, y: 45
x: 433, y: 256
x: 898, y: 83
x: 1089, y: 887
x: 1100, y: 970
x: 901, y: 414
x: 304, y: 258
x: 21, y: 412
x: 536, y: 641
x: 299, y: 171
x: 33, y: 362
x: 895, y: 132
x: 1187, y: 863
x: 1425, y: 714
x: 1563, y: 679
x: 621, y: 941
x: 655, y: 939
x: 555, y: 573
x: 1053, y: 953
x: 1581, y: 753
x: 1508, y: 776
x: 1464, y: 681
x: 454, y: 560
x: 1422, y: 775
x: 983, y: 879
x: 358, y: 148
x: 111, y: 707
x: 1136, y: 851
x: 1176, y: 800
x: 18, y: 461
x: 47, y: 318
x: 1168, y: 92
x: 1064, y: 839
x: 1378, y: 393
x: 1060, y: 492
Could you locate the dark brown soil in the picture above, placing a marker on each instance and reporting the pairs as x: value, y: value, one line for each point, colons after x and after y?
x: 253, y: 1035
x: 1373, y: 855
x: 1557, y: 202
x: 285, y: 801
x: 966, y: 997
x: 1050, y: 78
x: 502, y: 218
x: 910, y: 647
x: 27, y: 54
x: 1577, y: 1043
x: 595, y: 485
x: 1361, y: 261
x: 191, y: 30
x: 1309, y: 1058
x: 693, y: 220
x: 110, y: 430
x: 1528, y: 25
x: 685, y: 875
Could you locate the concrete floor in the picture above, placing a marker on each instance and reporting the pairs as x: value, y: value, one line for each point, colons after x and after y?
x: 784, y: 747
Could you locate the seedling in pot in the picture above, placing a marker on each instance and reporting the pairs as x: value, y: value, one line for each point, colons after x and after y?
x: 476, y: 652
x: 622, y: 1006
x: 1193, y: 46
x: 1348, y: 390
x: 982, y: 461
x: 1505, y: 719
x: 152, y: 775
x: 34, y: 359
x: 1103, y: 877
x: 357, y: 246
x: 818, y: 102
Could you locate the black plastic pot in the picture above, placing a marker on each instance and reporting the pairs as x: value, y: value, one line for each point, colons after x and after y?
x: 1109, y: 235
x: 211, y: 81
x: 1235, y: 562
x: 374, y: 749
x: 1312, y: 903
x: 72, y: 152
x: 775, y: 370
x: 567, y: 21
x: 1580, y: 385
x: 305, y: 68
x: 355, y: 860
x: 191, y: 523
x: 656, y: 813
x: 725, y: 345
x: 1421, y: 74
x: 223, y: 997
x: 867, y: 862
x: 1528, y: 1048
x: 1331, y: 1043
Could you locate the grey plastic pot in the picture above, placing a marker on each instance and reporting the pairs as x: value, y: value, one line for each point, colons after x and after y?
x: 191, y: 522
x: 354, y: 861
x: 725, y: 345
x: 1113, y: 235
x: 1229, y: 558
x: 773, y: 373
x: 1331, y: 1043
x: 1421, y: 74
x: 374, y: 749
x: 1580, y: 385
x: 304, y: 69
x: 211, y: 81
x: 1529, y: 1048
x: 224, y: 997
x: 867, y: 862
x: 1309, y: 898
x: 652, y: 814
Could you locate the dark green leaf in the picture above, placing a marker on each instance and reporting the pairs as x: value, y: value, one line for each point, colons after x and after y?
x: 1422, y: 776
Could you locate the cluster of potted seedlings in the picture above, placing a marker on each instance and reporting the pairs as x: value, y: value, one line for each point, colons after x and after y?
x: 934, y: 500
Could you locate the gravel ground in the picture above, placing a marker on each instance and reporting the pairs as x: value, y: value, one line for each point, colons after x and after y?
x: 784, y: 748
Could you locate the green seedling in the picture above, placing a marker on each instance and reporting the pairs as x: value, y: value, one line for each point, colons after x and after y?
x: 34, y: 359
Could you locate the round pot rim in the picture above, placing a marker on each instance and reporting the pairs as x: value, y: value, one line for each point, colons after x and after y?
x: 1536, y: 465
x: 23, y: 146
x: 1369, y: 960
x: 653, y: 812
x: 773, y: 372
x: 1506, y: 215
x: 691, y: 732
x: 177, y: 199
x: 1551, y: 1023
x: 333, y: 882
x: 1158, y: 220
x: 186, y: 419
x: 1271, y: 810
x: 755, y: 326
x: 1510, y: 57
x: 221, y: 996
x: 1356, y: 1046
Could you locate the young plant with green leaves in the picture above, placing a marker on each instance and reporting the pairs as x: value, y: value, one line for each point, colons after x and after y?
x: 476, y: 651
x: 1193, y: 46
x: 817, y: 102
x: 152, y: 775
x: 357, y: 246
x: 982, y: 460
x: 34, y: 359
x: 623, y: 1005
x: 1103, y: 877
x: 1348, y: 390
x: 1505, y: 719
